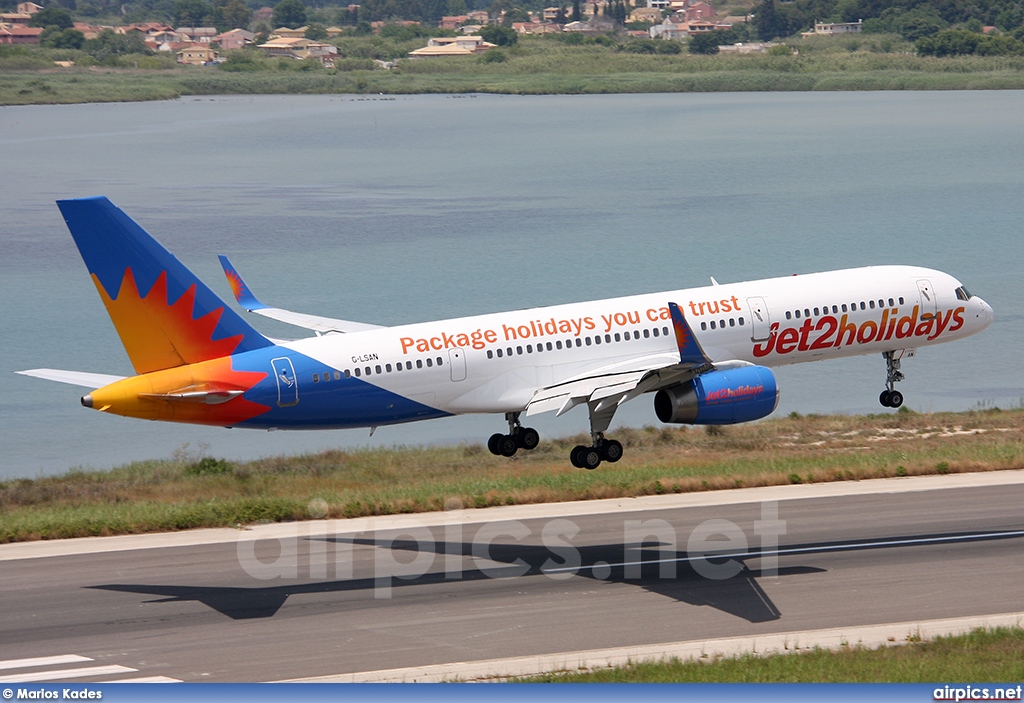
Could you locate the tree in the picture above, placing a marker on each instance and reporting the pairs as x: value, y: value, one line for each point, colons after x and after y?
x: 56, y: 38
x: 704, y: 43
x: 52, y: 17
x: 576, y: 15
x: 560, y: 17
x: 948, y: 42
x: 236, y: 14
x: 496, y: 34
x: 766, y: 20
x: 192, y: 13
x: 456, y: 7
x: 316, y: 32
x: 289, y: 13
x: 515, y: 15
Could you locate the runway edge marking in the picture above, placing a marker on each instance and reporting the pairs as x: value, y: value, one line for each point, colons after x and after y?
x: 870, y: 636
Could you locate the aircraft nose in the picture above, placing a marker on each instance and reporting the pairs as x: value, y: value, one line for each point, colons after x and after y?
x: 986, y: 314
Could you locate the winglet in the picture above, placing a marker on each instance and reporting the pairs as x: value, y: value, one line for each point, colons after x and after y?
x: 239, y: 288
x: 689, y: 348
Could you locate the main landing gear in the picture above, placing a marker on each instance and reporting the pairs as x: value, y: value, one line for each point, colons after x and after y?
x: 518, y: 437
x: 602, y: 449
x: 890, y: 397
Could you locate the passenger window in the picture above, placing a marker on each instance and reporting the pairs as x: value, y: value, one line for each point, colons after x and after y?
x: 579, y: 342
x: 490, y: 354
x: 337, y: 375
x: 798, y: 314
x: 367, y: 370
x: 549, y: 346
x: 597, y: 339
x: 807, y: 312
x: 618, y: 337
x: 712, y: 324
x: 430, y: 362
x: 419, y: 362
x: 348, y: 374
x: 863, y: 306
x: 789, y: 315
x: 891, y: 302
x: 741, y: 322
x: 655, y: 331
x: 664, y: 331
x: 558, y: 344
x: 816, y: 312
x: 357, y: 372
x: 732, y: 322
x: 703, y: 325
x: 588, y: 341
x: 387, y: 368
x: 408, y: 366
x: 440, y: 361
x: 647, y: 334
x: 316, y: 378
x: 500, y: 353
x: 529, y: 348
x: 844, y: 307
x: 519, y: 351
x: 871, y: 304
x: 901, y: 300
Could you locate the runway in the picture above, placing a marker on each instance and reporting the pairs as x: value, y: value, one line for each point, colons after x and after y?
x: 323, y: 598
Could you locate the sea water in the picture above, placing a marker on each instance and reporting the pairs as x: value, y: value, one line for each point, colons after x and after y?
x: 401, y: 209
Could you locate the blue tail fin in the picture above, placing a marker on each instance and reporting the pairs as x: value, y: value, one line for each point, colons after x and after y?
x: 690, y: 351
x: 165, y: 316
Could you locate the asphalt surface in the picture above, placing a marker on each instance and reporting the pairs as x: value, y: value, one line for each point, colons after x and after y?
x: 315, y: 604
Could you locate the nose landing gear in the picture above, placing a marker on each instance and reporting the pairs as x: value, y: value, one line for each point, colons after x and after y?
x: 890, y: 397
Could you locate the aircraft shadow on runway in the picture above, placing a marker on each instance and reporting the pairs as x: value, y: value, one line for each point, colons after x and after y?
x: 739, y: 595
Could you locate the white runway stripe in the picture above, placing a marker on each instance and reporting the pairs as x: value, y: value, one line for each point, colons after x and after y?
x: 63, y: 674
x: 42, y: 661
x: 145, y: 679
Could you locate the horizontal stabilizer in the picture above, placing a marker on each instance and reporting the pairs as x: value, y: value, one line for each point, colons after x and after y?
x: 75, y: 378
x: 320, y: 325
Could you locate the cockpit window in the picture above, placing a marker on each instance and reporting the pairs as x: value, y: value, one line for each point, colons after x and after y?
x: 963, y: 294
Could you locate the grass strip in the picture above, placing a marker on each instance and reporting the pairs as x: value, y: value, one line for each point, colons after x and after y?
x: 191, y: 490
x: 984, y: 655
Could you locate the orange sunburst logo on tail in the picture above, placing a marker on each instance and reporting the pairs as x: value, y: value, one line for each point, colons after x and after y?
x: 158, y: 334
x: 235, y: 281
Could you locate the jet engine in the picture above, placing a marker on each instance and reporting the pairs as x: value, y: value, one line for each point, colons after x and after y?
x: 720, y: 397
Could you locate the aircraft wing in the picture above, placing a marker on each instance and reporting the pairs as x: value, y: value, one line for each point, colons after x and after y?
x: 75, y: 378
x: 611, y: 387
x: 320, y: 325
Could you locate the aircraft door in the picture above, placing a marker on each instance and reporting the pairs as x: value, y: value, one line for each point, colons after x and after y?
x: 457, y: 360
x: 760, y: 320
x: 287, y: 383
x: 929, y: 306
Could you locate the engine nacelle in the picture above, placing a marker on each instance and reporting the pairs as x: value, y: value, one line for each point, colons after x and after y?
x: 720, y: 397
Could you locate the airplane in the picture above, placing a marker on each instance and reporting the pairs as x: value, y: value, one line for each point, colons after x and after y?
x: 705, y: 354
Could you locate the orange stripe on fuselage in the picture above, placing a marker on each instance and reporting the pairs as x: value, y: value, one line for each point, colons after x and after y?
x: 160, y: 335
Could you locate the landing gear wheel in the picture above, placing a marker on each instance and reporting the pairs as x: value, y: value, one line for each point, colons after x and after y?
x: 492, y: 443
x: 895, y: 399
x: 528, y: 438
x: 507, y: 445
x: 611, y: 450
x: 884, y: 399
x: 590, y: 458
x: 575, y: 458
